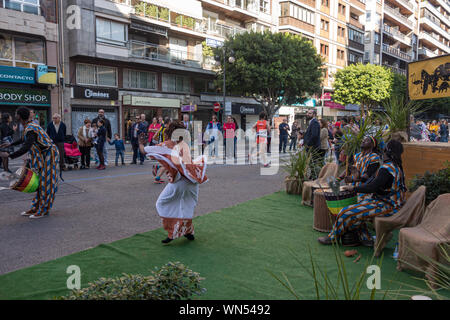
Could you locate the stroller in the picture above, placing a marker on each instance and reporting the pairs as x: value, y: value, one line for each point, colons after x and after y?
x: 71, y: 153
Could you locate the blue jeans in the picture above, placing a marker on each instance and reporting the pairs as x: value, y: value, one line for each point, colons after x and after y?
x: 283, y: 143
x: 121, y: 154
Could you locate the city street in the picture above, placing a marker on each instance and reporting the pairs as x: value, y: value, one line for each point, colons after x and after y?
x: 94, y: 207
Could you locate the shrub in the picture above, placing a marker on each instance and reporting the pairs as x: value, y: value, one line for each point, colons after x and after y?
x: 437, y: 183
x: 174, y: 281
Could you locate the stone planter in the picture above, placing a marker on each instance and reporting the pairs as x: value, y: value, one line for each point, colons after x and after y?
x: 293, y: 185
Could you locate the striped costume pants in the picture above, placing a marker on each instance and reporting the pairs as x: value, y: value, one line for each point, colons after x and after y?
x: 354, y: 217
x: 46, y: 165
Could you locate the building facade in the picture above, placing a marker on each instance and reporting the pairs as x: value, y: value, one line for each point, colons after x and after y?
x: 29, y: 57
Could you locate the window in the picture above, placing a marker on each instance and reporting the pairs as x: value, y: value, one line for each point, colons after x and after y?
x: 264, y: 6
x: 324, y: 25
x: 324, y: 49
x: 325, y: 3
x: 366, y: 56
x: 139, y: 79
x: 21, y: 51
x: 368, y: 16
x: 28, y: 6
x: 376, y: 58
x: 340, y: 54
x: 377, y: 38
x: 88, y: 74
x: 341, y: 8
x: 174, y: 83
x: 367, y: 37
x: 341, y: 32
x: 297, y: 12
x: 111, y: 32
x: 356, y: 36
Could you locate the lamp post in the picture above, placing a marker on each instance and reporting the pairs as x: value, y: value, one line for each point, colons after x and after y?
x: 231, y: 60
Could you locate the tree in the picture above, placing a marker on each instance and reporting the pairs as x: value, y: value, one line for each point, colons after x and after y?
x: 364, y: 84
x: 274, y: 68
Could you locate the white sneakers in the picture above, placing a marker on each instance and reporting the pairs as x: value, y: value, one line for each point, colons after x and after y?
x: 37, y: 217
x: 30, y: 215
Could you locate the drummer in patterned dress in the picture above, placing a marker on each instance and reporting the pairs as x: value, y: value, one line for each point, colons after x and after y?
x: 386, y: 198
x: 44, y: 161
x: 365, y: 165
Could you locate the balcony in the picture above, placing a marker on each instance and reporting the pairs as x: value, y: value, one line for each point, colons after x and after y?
x: 406, y: 4
x: 395, y: 69
x: 356, y: 23
x: 239, y: 9
x: 397, y: 16
x: 432, y: 22
x: 290, y: 21
x: 397, y: 35
x: 434, y: 40
x: 426, y: 52
x: 222, y: 30
x: 429, y: 6
x: 154, y: 52
x: 396, y: 52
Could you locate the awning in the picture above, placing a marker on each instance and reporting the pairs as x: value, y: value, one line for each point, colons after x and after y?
x: 191, y: 8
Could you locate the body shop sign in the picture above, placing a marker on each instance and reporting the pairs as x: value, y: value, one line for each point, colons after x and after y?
x: 24, y: 97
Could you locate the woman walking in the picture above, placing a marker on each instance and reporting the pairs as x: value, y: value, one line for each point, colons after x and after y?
x: 85, y: 143
x: 6, y: 133
x: 176, y: 204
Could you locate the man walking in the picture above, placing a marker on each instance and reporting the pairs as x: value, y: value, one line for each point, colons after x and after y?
x: 284, y: 135
x: 312, y: 139
x: 107, y: 125
x: 136, y: 129
x: 56, y: 130
x: 294, y: 135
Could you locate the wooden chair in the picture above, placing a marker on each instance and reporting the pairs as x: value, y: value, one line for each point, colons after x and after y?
x: 410, y: 215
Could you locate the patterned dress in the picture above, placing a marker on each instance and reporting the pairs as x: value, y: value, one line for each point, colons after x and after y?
x: 353, y: 217
x: 362, y: 162
x: 44, y: 161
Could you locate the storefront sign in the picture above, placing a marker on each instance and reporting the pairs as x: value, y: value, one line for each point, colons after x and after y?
x: 214, y: 43
x: 137, y: 101
x: 246, y: 109
x: 189, y: 108
x: 352, y: 107
x: 333, y: 105
x: 17, y: 75
x: 47, y: 75
x: 24, y: 97
x: 95, y: 93
x: 429, y: 78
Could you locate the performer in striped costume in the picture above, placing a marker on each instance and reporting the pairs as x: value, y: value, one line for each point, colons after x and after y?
x: 386, y: 198
x: 366, y: 164
x: 44, y: 158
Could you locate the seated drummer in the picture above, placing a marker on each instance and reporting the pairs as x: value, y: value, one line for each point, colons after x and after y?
x: 385, y: 199
x: 365, y: 165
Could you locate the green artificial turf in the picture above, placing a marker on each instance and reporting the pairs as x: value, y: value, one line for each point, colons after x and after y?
x: 235, y: 249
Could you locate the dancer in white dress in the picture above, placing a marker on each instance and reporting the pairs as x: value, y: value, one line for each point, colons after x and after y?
x: 176, y: 204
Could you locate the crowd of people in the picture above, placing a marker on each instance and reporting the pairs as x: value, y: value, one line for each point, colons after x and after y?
x: 435, y: 131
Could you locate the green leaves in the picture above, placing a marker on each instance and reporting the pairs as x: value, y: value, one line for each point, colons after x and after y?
x: 174, y: 281
x: 437, y: 183
x: 270, y: 66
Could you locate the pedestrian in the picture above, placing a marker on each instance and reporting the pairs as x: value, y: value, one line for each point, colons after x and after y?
x: 43, y: 160
x: 212, y: 130
x: 236, y: 126
x: 229, y: 132
x: 324, y: 137
x: 152, y: 130
x: 186, y: 122
x: 135, y: 131
x: 312, y: 141
x: 294, y: 136
x: 144, y: 122
x: 93, y: 133
x: 443, y: 131
x: 85, y: 138
x: 120, y: 148
x: 56, y: 130
x: 177, y: 202
x: 101, y: 141
x: 284, y: 135
x: 107, y: 126
x: 262, y: 129
x: 6, y: 136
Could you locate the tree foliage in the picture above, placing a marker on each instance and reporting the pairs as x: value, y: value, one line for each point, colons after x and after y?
x: 365, y: 84
x: 274, y: 68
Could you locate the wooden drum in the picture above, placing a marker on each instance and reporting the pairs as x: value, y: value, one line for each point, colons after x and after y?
x: 323, y: 218
x: 26, y: 181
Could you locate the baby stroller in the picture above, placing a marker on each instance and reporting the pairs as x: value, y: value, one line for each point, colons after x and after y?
x: 71, y: 153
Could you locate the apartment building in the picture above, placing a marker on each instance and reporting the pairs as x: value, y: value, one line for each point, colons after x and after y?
x: 132, y: 57
x: 29, y: 59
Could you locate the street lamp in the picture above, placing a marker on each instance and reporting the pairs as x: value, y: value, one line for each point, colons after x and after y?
x: 231, y: 59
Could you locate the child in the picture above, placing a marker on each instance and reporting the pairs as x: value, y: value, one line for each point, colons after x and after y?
x: 120, y: 148
x: 101, y: 140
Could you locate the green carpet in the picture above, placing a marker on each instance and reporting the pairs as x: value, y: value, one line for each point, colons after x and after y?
x: 234, y: 250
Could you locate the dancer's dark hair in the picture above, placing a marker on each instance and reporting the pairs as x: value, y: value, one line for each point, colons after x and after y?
x: 174, y: 125
x: 394, y: 151
x: 262, y: 116
x: 23, y: 113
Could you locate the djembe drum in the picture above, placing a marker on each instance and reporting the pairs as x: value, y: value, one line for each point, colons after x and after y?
x: 337, y: 202
x: 323, y: 218
x: 25, y: 180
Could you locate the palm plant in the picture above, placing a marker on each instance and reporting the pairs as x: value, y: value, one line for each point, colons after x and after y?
x: 297, y: 168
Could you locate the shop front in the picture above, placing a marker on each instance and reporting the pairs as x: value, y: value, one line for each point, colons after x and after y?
x: 87, y: 101
x: 152, y: 107
x: 246, y: 115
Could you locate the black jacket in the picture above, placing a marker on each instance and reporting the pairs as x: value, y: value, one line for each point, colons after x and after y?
x: 107, y: 126
x: 5, y: 131
x: 312, y: 135
x: 57, y: 137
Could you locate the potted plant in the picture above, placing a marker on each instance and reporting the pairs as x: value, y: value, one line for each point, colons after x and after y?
x: 297, y: 169
x: 164, y: 14
x: 437, y: 183
x: 140, y: 9
x: 152, y: 11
